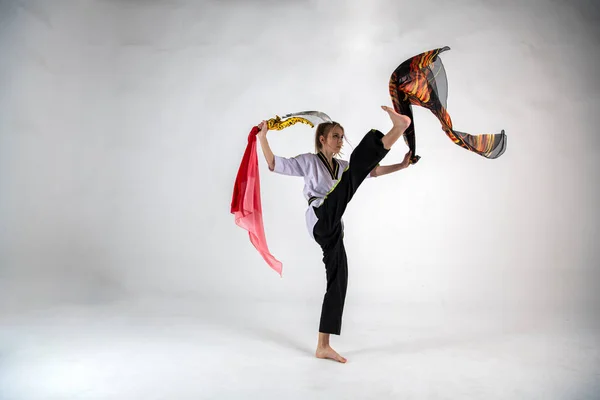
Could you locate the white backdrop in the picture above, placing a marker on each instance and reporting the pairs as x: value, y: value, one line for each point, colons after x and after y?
x: 122, y: 126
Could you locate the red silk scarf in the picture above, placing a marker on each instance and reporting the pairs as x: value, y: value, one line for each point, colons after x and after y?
x: 246, y: 204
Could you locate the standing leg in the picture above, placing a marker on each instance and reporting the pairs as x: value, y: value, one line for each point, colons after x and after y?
x: 336, y: 266
x: 328, y: 230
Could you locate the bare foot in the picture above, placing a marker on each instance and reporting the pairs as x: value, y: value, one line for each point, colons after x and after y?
x: 328, y: 352
x: 399, y: 120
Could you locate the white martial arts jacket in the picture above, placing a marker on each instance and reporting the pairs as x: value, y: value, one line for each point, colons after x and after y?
x: 319, y: 179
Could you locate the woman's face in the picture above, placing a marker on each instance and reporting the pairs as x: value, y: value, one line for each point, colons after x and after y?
x: 334, y: 141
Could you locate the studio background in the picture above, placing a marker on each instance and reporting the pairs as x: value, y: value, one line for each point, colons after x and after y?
x: 122, y: 126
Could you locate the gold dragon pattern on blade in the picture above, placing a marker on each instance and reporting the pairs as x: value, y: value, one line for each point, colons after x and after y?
x: 278, y: 124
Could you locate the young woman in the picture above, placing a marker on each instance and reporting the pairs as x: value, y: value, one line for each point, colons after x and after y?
x: 329, y: 186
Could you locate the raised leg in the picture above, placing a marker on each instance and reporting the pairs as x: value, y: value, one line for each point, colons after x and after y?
x: 373, y: 147
x: 401, y: 122
x: 364, y: 158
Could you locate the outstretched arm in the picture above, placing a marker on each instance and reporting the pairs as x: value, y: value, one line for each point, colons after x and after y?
x: 285, y: 166
x: 264, y: 144
x: 388, y: 169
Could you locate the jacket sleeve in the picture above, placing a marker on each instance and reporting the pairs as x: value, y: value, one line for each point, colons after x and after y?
x: 294, y: 166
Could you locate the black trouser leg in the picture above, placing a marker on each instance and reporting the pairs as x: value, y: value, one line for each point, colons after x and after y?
x: 336, y: 267
x: 328, y: 231
x: 364, y: 158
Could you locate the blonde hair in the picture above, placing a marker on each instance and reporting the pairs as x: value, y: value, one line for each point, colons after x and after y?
x: 323, y: 130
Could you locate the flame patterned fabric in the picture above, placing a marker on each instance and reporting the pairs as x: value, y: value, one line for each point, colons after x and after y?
x: 421, y: 81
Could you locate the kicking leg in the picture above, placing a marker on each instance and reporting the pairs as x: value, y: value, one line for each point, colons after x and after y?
x: 401, y: 122
x: 373, y: 148
x: 364, y: 158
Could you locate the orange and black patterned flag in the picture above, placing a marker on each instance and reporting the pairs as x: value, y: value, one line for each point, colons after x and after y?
x: 421, y: 80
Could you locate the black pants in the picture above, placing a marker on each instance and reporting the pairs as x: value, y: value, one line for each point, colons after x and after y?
x: 328, y: 229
